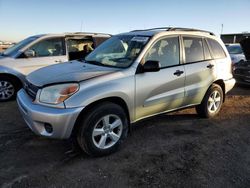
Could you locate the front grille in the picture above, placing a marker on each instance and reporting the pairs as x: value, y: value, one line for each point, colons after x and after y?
x: 31, y: 89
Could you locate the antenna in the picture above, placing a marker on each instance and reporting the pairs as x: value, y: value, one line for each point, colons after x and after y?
x: 81, y: 26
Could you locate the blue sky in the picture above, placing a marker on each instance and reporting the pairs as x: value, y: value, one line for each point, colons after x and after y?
x: 22, y: 18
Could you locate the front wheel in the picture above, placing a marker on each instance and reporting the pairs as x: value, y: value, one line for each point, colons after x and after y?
x: 211, y: 103
x: 8, y: 88
x: 103, y: 129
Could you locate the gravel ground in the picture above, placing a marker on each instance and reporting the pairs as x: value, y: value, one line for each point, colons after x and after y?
x: 173, y: 150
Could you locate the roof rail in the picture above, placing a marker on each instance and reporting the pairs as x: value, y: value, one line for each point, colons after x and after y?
x: 151, y: 29
x: 189, y: 29
x: 174, y: 29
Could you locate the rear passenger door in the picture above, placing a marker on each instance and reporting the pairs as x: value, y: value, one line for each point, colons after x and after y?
x: 99, y: 40
x: 199, y: 68
x: 78, y: 47
x: 163, y: 90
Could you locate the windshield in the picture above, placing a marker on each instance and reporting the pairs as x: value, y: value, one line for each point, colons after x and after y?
x: 14, y: 49
x: 118, y: 51
x: 235, y: 49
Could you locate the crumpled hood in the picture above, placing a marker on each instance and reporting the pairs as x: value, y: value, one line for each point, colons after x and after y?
x: 72, y: 71
x: 245, y: 44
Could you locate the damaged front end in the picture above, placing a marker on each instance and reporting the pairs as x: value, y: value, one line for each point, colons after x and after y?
x: 241, y: 72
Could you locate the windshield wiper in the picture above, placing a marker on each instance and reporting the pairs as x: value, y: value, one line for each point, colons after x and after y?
x: 121, y: 59
x: 93, y: 62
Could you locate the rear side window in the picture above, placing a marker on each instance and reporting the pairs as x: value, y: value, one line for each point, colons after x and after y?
x: 193, y: 49
x: 206, y: 51
x: 216, y: 49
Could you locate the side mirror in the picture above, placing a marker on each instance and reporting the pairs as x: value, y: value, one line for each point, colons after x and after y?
x: 30, y: 53
x: 151, y: 66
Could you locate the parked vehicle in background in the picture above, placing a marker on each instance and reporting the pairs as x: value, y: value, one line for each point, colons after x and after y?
x: 129, y: 77
x: 39, y: 51
x: 236, y: 53
x: 241, y: 72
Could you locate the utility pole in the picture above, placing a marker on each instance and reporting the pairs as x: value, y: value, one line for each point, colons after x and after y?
x: 221, y: 29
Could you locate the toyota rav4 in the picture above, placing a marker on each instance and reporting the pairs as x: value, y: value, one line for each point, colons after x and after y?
x: 127, y: 78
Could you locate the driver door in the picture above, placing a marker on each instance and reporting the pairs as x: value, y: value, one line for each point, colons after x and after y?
x: 163, y: 90
x: 45, y: 52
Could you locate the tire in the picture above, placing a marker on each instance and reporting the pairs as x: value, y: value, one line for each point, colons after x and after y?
x: 103, y: 129
x: 211, y: 103
x: 8, y: 88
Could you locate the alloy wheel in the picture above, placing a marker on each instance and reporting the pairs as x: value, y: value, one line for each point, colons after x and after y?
x: 214, y: 101
x: 107, y: 131
x: 7, y: 90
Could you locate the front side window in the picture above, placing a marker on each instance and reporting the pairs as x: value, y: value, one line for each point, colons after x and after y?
x: 49, y: 47
x: 216, y: 49
x: 17, y: 47
x: 193, y: 49
x: 118, y: 51
x: 166, y: 51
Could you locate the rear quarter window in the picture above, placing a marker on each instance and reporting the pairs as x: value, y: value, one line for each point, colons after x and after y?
x: 216, y: 49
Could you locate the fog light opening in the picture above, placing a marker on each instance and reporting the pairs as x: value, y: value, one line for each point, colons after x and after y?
x: 48, y: 128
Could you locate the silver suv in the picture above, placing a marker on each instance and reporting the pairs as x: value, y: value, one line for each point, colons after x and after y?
x: 129, y: 77
x: 39, y: 51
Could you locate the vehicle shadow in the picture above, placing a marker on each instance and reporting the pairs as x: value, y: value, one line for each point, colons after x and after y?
x: 239, y: 90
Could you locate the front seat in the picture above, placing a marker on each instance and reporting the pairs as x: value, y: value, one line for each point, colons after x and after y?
x: 58, y: 50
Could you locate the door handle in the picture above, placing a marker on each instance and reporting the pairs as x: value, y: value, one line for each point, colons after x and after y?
x: 58, y: 61
x: 178, y: 73
x: 210, y: 66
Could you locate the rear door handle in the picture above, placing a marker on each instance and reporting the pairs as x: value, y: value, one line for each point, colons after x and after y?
x: 58, y: 61
x: 178, y: 73
x: 210, y: 66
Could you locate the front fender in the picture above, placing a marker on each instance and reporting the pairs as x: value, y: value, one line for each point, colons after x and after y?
x: 93, y: 91
x: 9, y: 71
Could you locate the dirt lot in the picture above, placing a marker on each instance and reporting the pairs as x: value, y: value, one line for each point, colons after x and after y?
x: 173, y: 150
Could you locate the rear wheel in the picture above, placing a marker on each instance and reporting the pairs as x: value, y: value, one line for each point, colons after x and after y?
x: 8, y: 88
x: 103, y: 129
x: 211, y: 103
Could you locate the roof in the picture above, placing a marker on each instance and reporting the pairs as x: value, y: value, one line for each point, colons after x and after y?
x: 232, y: 44
x: 72, y: 34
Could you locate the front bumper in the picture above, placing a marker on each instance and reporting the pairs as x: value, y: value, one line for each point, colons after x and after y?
x: 38, y: 117
x: 229, y: 84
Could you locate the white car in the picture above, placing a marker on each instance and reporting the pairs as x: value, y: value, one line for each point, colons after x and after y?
x: 39, y: 51
x: 236, y: 52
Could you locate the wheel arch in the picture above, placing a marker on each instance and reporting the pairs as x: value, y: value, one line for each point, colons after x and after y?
x: 14, y: 77
x: 116, y: 100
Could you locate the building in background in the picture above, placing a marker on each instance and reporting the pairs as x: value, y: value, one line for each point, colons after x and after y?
x: 4, y: 45
x: 234, y: 37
